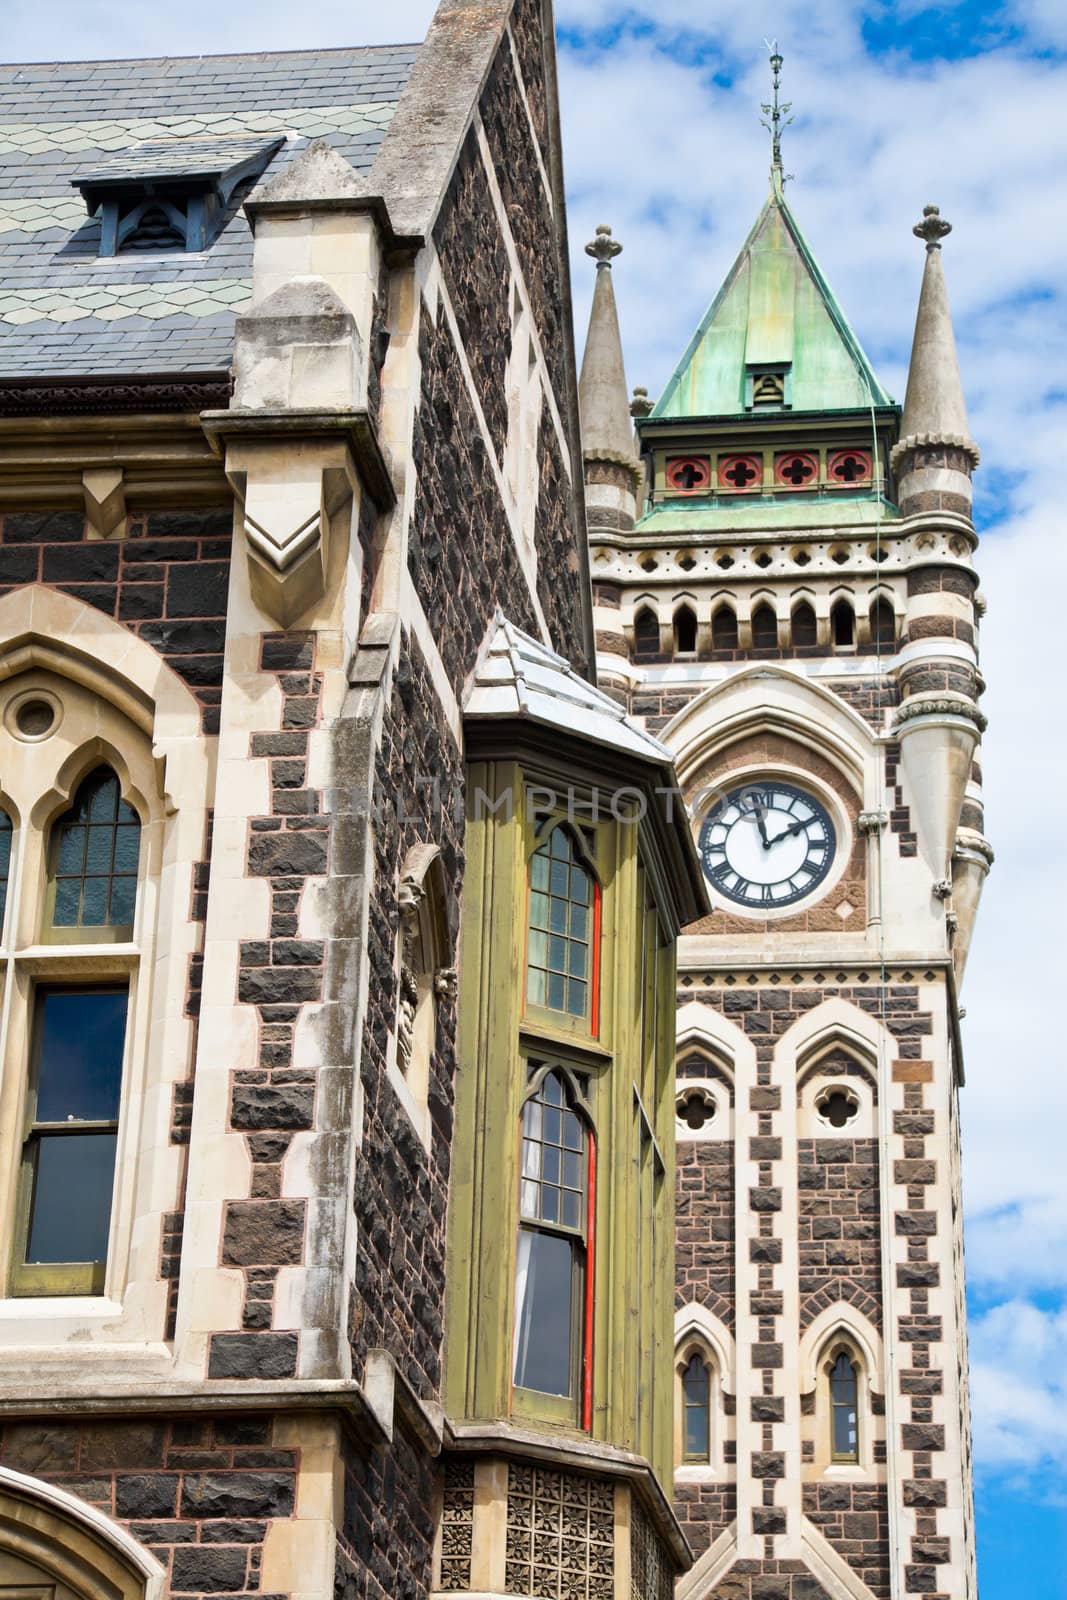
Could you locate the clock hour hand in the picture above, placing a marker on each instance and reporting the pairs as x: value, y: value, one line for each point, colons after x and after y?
x: 798, y: 827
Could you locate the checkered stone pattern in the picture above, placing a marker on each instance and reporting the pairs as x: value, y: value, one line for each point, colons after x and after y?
x: 64, y: 310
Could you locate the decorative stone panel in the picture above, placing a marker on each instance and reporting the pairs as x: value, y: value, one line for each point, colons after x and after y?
x: 651, y: 1575
x: 457, y: 1525
x: 561, y: 1536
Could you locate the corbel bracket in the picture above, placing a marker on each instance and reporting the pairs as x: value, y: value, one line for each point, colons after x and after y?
x: 104, y: 492
x: 294, y: 472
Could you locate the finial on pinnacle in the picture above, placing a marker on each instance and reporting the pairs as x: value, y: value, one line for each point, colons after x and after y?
x: 932, y: 228
x: 641, y: 405
x: 778, y: 114
x: 603, y: 248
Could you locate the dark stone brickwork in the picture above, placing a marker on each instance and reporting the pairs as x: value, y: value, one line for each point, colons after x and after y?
x: 461, y: 555
x: 769, y: 1580
x: 704, y: 1510
x: 475, y: 265
x: 840, y: 1254
x: 199, y: 1494
x: 528, y: 31
x: 166, y: 581
x: 385, y: 1540
x: 854, y: 1518
x: 899, y: 813
x: 277, y: 975
x: 765, y: 1011
x: 558, y: 574
x: 529, y: 214
x: 871, y: 697
x: 401, y: 1192
x: 704, y: 1226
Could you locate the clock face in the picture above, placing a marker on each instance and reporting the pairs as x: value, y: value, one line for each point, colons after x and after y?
x: 767, y: 844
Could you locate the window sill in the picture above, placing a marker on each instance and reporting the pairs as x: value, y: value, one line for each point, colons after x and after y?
x: 41, y: 960
x: 540, y: 1036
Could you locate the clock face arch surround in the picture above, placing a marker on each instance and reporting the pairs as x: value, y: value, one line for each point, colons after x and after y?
x: 771, y: 841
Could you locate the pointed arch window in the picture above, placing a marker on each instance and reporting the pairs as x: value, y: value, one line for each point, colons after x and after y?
x: 724, y: 629
x: 804, y: 626
x: 695, y: 1376
x: 93, y: 865
x: 6, y: 834
x: 685, y: 631
x: 843, y: 625
x: 77, y: 1046
x: 646, y: 635
x: 563, y: 933
x: 883, y: 622
x: 764, y: 629
x: 553, y: 1273
x: 844, y: 1409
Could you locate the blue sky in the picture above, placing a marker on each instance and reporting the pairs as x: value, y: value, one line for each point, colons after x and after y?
x: 895, y: 106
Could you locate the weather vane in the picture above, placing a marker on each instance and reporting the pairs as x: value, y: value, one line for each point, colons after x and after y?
x: 778, y: 114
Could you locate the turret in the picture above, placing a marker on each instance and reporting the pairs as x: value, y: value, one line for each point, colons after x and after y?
x: 612, y: 471
x: 939, y: 723
x: 935, y: 456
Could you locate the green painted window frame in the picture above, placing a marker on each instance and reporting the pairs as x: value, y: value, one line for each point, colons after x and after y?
x: 536, y: 1404
x: 543, y: 1017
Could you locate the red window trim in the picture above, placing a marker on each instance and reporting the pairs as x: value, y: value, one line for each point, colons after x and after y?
x: 860, y: 455
x: 755, y: 462
x: 780, y: 460
x: 590, y: 1245
x: 702, y: 464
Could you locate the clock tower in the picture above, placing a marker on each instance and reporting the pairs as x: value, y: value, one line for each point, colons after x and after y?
x: 785, y: 591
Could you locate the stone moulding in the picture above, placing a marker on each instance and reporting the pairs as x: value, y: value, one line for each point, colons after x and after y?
x: 191, y: 391
x: 941, y: 706
x: 934, y: 441
x: 293, y: 472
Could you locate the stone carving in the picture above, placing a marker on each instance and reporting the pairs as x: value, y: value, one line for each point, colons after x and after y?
x: 941, y: 706
x: 869, y: 822
x: 651, y: 1577
x: 445, y: 985
x: 942, y: 888
x: 560, y: 1535
x: 933, y: 227
x: 603, y: 248
x: 457, y: 1525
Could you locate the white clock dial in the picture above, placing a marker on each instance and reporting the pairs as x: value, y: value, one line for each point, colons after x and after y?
x: 767, y: 844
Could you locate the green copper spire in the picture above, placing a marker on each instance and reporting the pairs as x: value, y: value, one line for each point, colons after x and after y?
x: 774, y: 322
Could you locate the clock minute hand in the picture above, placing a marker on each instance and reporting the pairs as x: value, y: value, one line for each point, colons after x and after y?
x: 798, y: 827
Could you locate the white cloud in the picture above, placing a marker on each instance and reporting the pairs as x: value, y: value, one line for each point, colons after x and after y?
x: 1019, y: 1392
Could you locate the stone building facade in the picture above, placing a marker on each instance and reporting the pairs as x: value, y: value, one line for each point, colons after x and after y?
x: 336, y: 1050
x: 785, y: 595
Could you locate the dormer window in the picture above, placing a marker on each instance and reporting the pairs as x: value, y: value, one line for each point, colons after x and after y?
x: 767, y: 387
x: 173, y: 195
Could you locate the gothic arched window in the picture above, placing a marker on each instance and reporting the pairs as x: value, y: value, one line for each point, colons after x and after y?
x: 685, y: 631
x: 93, y: 869
x: 646, y: 635
x: 554, y: 1247
x: 724, y: 629
x: 764, y: 629
x: 695, y: 1377
x: 883, y: 622
x: 843, y: 625
x: 78, y: 1046
x: 804, y: 627
x: 5, y: 865
x: 561, y: 940
x: 844, y: 1409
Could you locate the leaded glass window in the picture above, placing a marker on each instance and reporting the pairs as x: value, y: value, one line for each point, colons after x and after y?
x: 844, y: 1410
x: 95, y: 853
x: 5, y: 863
x: 559, y: 952
x: 696, y: 1409
x: 553, y: 1230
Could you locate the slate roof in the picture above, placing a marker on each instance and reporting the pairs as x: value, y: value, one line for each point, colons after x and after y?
x: 66, y: 312
x: 517, y: 676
